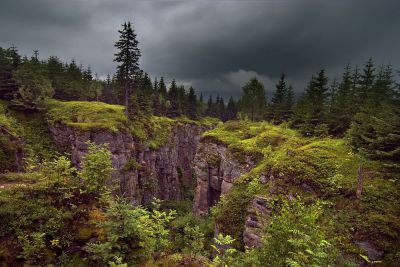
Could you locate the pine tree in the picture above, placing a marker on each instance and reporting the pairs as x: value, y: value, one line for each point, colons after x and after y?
x: 162, y: 97
x: 210, y: 107
x: 231, y: 110
x: 15, y: 57
x: 162, y: 89
x: 220, y: 108
x: 366, y: 82
x: 144, y: 94
x: 300, y: 113
x: 87, y: 74
x: 128, y: 58
x: 192, y: 104
x: 289, y: 103
x: 341, y: 112
x: 314, y: 106
x: 278, y: 105
x: 182, y: 99
x: 155, y: 87
x: 375, y: 130
x: 174, y: 109
x: 253, y: 100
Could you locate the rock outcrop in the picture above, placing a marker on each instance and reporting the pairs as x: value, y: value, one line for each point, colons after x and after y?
x: 259, y: 212
x: 216, y: 168
x: 141, y: 172
x: 11, y: 151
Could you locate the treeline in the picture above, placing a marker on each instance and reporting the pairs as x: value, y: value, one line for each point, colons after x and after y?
x: 363, y: 105
x: 133, y: 87
x: 26, y: 82
x: 173, y: 100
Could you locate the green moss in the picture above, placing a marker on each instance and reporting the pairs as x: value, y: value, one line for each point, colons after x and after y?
x: 251, y: 138
x: 131, y: 165
x: 313, y: 169
x: 87, y: 116
x: 91, y: 116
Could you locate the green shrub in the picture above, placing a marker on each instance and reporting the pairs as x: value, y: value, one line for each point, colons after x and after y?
x: 295, y: 238
x: 96, y: 167
x: 194, y: 239
x: 131, y: 234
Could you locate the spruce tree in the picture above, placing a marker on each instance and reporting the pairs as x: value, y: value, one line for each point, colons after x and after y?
x: 289, y: 103
x: 314, y: 106
x: 128, y: 60
x: 182, y: 99
x: 253, y: 100
x: 341, y: 112
x: 278, y: 105
x: 174, y: 109
x: 145, y: 94
x: 231, y: 110
x: 210, y: 107
x: 366, y: 82
x: 162, y: 89
x: 192, y: 104
x: 375, y: 130
x: 155, y: 87
x: 220, y: 108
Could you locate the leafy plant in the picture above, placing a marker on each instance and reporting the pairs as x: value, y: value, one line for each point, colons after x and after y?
x: 194, y: 240
x: 96, y: 167
x: 131, y: 233
x: 224, y: 251
x: 294, y: 238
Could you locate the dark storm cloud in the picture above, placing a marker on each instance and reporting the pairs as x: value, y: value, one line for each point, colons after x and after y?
x: 213, y: 45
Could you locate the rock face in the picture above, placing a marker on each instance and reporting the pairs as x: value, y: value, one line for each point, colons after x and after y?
x: 11, y: 151
x: 216, y: 168
x: 259, y: 212
x: 142, y: 173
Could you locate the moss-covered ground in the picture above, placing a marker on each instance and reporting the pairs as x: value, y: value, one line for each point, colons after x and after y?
x: 315, y: 169
x: 94, y: 116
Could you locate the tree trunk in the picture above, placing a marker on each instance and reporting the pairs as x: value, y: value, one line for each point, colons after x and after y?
x: 359, y: 182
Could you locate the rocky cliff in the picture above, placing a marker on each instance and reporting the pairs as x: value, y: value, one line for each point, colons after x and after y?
x: 141, y: 172
x: 259, y: 212
x: 11, y: 150
x: 216, y: 168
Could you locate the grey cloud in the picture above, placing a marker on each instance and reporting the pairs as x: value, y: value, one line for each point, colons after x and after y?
x: 212, y: 45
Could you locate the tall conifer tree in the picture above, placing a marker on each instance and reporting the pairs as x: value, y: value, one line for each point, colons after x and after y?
x: 128, y: 60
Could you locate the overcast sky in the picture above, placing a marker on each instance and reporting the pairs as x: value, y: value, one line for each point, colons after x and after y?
x: 216, y: 46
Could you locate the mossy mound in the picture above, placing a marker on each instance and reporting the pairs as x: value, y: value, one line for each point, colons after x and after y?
x: 315, y: 169
x: 251, y: 138
x: 87, y: 116
x: 93, y: 116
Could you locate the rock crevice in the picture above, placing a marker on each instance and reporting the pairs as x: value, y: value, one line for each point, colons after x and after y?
x: 216, y: 168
